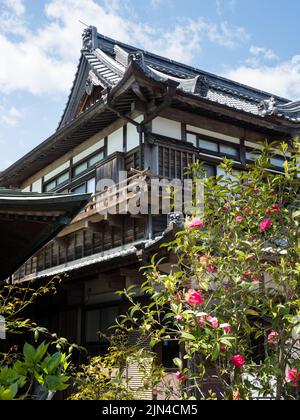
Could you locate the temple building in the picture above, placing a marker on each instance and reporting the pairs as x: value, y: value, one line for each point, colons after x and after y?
x: 135, y: 112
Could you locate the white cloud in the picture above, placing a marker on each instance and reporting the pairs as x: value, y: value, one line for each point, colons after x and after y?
x: 43, y: 61
x: 282, y: 79
x: 16, y: 5
x: 10, y: 117
x: 265, y: 53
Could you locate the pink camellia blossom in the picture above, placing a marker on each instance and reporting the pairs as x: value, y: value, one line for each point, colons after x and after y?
x: 236, y: 395
x: 180, y: 376
x: 239, y: 219
x: 201, y: 322
x: 293, y: 376
x: 211, y: 268
x: 275, y: 209
x: 207, y: 262
x: 226, y: 328
x: 194, y: 298
x: 213, y: 321
x: 273, y: 337
x: 204, y: 260
x: 223, y: 348
x: 179, y: 318
x: 196, y: 223
x: 238, y: 361
x: 265, y: 225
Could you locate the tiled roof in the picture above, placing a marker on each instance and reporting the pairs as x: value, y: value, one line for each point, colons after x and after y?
x: 115, y: 55
x: 103, y: 257
x: 108, y: 59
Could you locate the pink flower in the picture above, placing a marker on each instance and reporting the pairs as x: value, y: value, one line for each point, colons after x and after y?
x: 236, y: 395
x: 247, y: 273
x: 239, y: 219
x: 293, y: 376
x: 154, y: 392
x: 275, y: 209
x: 265, y: 225
x: 255, y: 280
x: 201, y: 321
x: 238, y: 361
x: 211, y: 268
x: 226, y: 328
x: 273, y: 337
x: 180, y: 376
x: 226, y: 207
x: 204, y: 260
x: 207, y: 262
x: 194, y: 298
x: 250, y: 257
x: 179, y: 318
x: 213, y: 321
x: 223, y: 348
x: 246, y: 210
x: 196, y: 223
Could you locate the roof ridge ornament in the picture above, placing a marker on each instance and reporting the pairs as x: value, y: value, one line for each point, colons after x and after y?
x: 137, y: 57
x: 89, y: 38
x: 272, y: 107
x: 202, y: 86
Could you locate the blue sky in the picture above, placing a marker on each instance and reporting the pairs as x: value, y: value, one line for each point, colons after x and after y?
x: 254, y: 42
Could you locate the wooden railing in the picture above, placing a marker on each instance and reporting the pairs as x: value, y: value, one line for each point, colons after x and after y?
x: 103, y: 202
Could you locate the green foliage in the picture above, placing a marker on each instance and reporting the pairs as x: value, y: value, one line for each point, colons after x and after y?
x: 107, y: 378
x: 36, y: 369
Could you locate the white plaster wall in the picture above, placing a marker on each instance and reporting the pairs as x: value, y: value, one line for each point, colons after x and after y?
x: 167, y: 128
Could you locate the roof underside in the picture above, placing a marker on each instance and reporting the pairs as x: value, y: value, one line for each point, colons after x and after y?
x: 29, y: 221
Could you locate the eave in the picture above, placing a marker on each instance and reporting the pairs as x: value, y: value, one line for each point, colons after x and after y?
x: 30, y: 221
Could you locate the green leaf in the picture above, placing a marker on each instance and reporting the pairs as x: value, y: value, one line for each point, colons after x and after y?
x: 28, y: 352
x: 40, y: 352
x: 178, y: 363
x: 8, y: 394
x: 188, y: 336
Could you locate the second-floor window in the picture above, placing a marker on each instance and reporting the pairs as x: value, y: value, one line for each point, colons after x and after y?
x: 87, y: 164
x: 88, y: 186
x: 57, y: 182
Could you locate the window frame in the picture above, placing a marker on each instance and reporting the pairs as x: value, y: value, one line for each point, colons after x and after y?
x: 219, y: 143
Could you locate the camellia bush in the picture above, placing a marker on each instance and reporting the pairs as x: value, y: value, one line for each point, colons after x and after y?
x: 232, y: 299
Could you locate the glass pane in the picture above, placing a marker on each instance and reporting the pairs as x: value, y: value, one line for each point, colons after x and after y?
x: 229, y: 150
x: 91, y: 186
x: 192, y: 138
x: 209, y: 145
x: 277, y: 161
x: 63, y: 178
x: 81, y: 189
x: 80, y: 168
x: 50, y: 186
x: 92, y: 326
x: 96, y: 159
x: 210, y: 170
x: 251, y: 156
